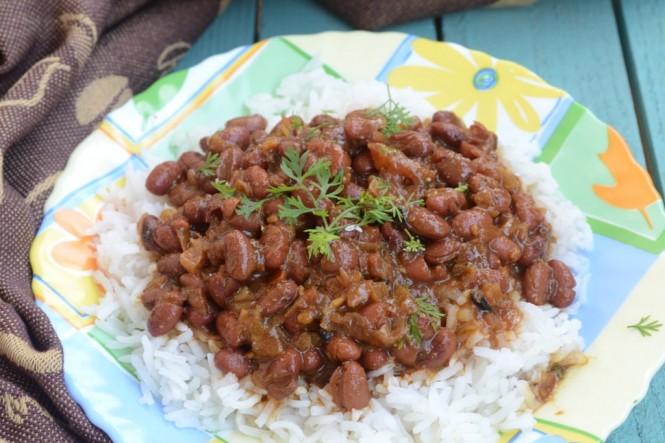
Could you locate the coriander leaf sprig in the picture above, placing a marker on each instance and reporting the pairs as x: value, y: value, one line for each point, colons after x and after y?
x: 396, y: 116
x: 413, y: 244
x: 318, y: 184
x: 210, y: 164
x: 425, y: 307
x: 646, y: 327
x: 224, y: 189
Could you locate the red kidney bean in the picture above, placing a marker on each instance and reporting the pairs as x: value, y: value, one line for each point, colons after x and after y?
x: 163, y: 318
x: 200, y: 318
x: 230, y: 329
x: 251, y: 224
x: 454, y: 169
x: 277, y: 297
x: 377, y: 313
x: 507, y: 250
x: 406, y: 354
x: 468, y: 223
x: 196, y: 210
x: 394, y: 236
x: 348, y: 386
x: 234, y: 362
x: 170, y: 266
x: 191, y: 160
x: 564, y: 295
x: 311, y: 360
x: 341, y: 348
x: 412, y: 143
x: 281, y: 376
x: 275, y: 241
x: 534, y: 247
x: 297, y: 263
x: 253, y: 122
x: 470, y: 151
x: 166, y: 238
x: 164, y: 177
x: 447, y: 117
x: 229, y: 137
x: 146, y: 227
x: 417, y: 269
x: 450, y: 133
x: 184, y: 191
x: 150, y: 296
x: 373, y: 357
x: 445, y: 201
x: 271, y: 207
x: 442, y: 346
x: 427, y: 223
x: 362, y: 163
x: 442, y: 251
x: 536, y: 282
x: 344, y: 255
x: 222, y: 287
x: 489, y: 195
x: 482, y: 137
x: 230, y: 160
x: 240, y: 255
x: 360, y: 128
x: 526, y: 210
x: 258, y: 181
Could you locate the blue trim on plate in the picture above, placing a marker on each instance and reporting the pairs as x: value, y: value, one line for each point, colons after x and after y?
x: 109, y: 118
x: 400, y: 55
x: 611, y: 282
x: 109, y: 396
x: 197, y: 92
x: 552, y: 121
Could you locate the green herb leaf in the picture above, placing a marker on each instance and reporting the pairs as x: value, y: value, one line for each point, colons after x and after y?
x: 429, y: 309
x: 414, y: 331
x: 646, y: 327
x: 413, y: 244
x: 210, y: 164
x: 246, y: 206
x: 319, y: 242
x: 224, y: 189
x: 462, y: 187
x: 311, y: 132
x: 396, y: 116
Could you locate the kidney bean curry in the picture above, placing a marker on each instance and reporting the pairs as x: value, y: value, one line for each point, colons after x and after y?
x: 327, y: 249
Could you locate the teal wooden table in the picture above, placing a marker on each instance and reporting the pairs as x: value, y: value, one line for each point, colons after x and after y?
x: 609, y: 55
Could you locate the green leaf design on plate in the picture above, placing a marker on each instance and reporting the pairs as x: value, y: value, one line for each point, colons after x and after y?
x: 158, y: 95
x: 595, y: 170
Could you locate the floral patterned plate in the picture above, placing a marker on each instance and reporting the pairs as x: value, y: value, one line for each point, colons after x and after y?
x: 589, y: 159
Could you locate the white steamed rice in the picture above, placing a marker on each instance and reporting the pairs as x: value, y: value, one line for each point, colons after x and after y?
x: 482, y: 392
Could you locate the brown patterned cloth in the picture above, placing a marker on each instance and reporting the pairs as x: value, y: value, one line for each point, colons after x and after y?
x: 376, y: 14
x: 63, y: 65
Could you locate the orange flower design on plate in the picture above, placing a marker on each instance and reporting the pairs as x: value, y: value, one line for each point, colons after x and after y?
x: 460, y: 83
x: 77, y: 254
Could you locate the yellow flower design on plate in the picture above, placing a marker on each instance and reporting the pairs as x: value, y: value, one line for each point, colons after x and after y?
x: 459, y: 83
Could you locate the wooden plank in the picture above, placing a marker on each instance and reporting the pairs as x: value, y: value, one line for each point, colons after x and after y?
x: 571, y: 44
x: 232, y: 28
x: 643, y: 33
x: 282, y: 17
x: 642, y: 28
